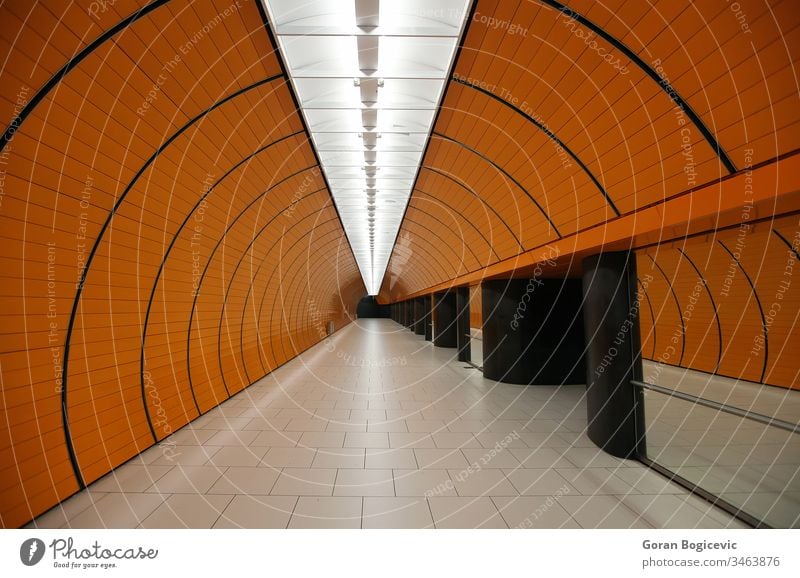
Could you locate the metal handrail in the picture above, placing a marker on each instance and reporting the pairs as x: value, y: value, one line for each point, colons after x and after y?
x: 751, y: 415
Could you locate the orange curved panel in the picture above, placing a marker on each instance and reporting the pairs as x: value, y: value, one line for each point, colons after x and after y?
x: 168, y: 236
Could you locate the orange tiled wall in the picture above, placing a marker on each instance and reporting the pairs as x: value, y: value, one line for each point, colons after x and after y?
x: 167, y: 237
x: 727, y: 302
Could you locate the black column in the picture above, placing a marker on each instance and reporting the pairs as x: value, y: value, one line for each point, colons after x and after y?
x: 444, y: 320
x: 611, y: 317
x: 409, y: 310
x: 533, y: 331
x: 419, y: 316
x: 428, y: 320
x: 462, y: 323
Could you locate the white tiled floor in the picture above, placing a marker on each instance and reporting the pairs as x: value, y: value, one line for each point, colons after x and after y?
x: 376, y: 429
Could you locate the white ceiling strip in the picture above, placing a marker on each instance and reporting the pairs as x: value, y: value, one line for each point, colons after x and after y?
x: 369, y: 76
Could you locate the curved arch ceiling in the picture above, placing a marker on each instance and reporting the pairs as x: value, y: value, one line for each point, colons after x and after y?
x: 561, y: 118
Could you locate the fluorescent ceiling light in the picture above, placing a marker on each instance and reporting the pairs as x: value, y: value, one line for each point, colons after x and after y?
x: 369, y: 76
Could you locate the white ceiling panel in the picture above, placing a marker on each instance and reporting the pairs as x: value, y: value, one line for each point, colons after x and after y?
x: 369, y: 76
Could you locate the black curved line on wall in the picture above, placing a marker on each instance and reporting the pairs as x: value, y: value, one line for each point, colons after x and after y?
x: 267, y: 285
x: 479, y: 198
x: 787, y: 243
x: 470, y: 223
x: 434, y: 234
x: 295, y: 351
x: 167, y: 253
x: 500, y: 170
x: 250, y: 290
x: 432, y: 259
x: 425, y: 268
x: 93, y: 252
x: 760, y: 308
x: 211, y: 258
x: 652, y: 317
x: 239, y: 264
x: 677, y: 305
x: 665, y: 86
x: 17, y: 121
x: 713, y: 304
x: 550, y: 134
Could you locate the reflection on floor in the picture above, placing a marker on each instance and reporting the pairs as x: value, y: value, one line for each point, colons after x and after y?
x: 377, y: 428
x: 753, y: 466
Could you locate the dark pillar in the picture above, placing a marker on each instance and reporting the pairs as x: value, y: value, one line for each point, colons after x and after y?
x: 408, y: 314
x: 462, y: 323
x: 533, y: 331
x: 419, y: 315
x: 613, y: 358
x: 428, y: 320
x: 444, y: 320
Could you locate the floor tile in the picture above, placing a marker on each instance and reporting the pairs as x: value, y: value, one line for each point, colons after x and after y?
x: 339, y: 458
x: 364, y: 483
x: 257, y: 512
x: 411, y: 440
x: 245, y: 480
x: 423, y: 483
x: 366, y: 440
x: 187, y: 455
x: 542, y: 458
x: 440, y: 459
x: 298, y: 457
x: 232, y: 438
x: 337, y: 512
x: 277, y: 439
x: 187, y: 480
x: 466, y: 425
x: 305, y: 482
x: 426, y: 426
x: 447, y: 440
x: 592, y: 481
x: 465, y: 513
x: 237, y: 456
x: 534, y: 512
x: 396, y: 513
x: 491, y: 459
x: 346, y: 426
x: 539, y: 482
x: 187, y: 511
x: 394, y: 426
x: 482, y: 483
x: 391, y: 459
x: 307, y: 424
x: 326, y: 439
